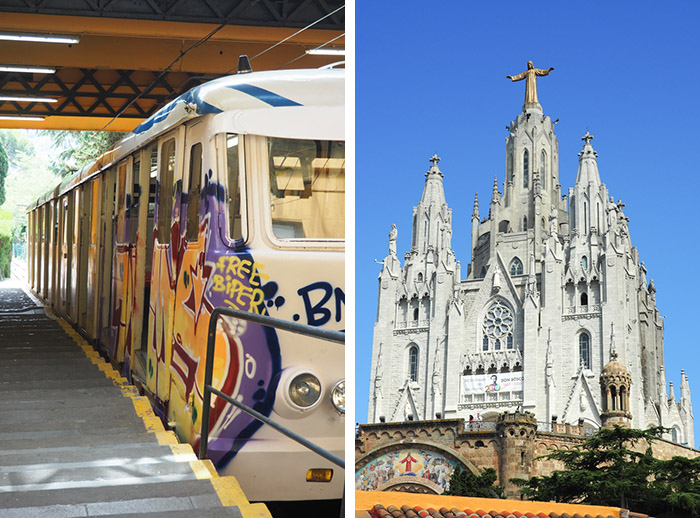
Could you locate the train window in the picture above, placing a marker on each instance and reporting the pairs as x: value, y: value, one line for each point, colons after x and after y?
x: 152, y: 184
x: 234, y: 186
x: 307, y: 185
x: 165, y: 196
x: 193, y: 192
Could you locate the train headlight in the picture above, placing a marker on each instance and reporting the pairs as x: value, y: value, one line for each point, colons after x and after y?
x: 338, y: 396
x: 305, y: 390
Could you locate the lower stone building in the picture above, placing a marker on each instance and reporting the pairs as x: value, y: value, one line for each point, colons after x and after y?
x: 419, y: 456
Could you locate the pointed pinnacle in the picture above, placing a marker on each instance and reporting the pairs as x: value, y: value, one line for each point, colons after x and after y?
x: 475, y: 212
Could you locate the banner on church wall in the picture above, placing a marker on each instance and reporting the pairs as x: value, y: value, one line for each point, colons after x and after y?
x: 499, y: 382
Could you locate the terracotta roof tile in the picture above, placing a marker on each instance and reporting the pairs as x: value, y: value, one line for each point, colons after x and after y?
x: 413, y: 505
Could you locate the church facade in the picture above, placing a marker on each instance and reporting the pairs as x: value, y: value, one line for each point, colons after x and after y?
x: 554, y: 291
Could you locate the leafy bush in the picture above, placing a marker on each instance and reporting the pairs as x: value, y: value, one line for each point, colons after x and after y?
x: 5, y: 243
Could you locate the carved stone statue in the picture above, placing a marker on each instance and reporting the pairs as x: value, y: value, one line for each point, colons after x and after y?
x: 549, y: 361
x: 553, y: 223
x: 530, y: 76
x: 392, y: 239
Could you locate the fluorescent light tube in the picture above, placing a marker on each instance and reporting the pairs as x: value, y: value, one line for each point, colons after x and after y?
x: 326, y: 52
x: 22, y: 99
x: 27, y: 69
x: 18, y: 118
x: 40, y: 38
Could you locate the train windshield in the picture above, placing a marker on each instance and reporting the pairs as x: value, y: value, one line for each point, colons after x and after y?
x: 307, y: 187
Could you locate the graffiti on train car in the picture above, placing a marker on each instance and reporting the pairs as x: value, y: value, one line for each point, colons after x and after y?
x: 190, y: 279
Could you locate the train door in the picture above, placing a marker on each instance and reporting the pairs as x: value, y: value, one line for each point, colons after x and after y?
x: 105, y: 254
x: 164, y: 265
x: 145, y: 170
x: 74, y: 254
x: 83, y: 223
x: 45, y: 248
x: 121, y: 266
x: 50, y: 244
x: 30, y: 249
x: 55, y: 253
x: 37, y: 249
x: 92, y: 257
x: 60, y: 216
x: 66, y: 230
x: 189, y: 330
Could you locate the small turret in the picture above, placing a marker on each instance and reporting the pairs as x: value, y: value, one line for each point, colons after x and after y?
x: 615, y: 382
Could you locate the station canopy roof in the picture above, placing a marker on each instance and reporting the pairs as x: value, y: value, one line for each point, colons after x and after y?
x: 123, y: 60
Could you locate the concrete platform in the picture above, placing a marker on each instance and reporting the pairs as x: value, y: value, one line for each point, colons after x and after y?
x: 76, y: 440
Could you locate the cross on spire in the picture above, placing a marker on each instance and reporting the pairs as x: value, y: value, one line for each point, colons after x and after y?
x: 587, y: 137
x: 435, y: 159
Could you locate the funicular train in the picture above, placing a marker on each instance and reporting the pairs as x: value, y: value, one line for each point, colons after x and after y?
x: 231, y: 195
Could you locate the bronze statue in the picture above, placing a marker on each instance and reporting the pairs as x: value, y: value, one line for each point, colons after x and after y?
x: 530, y: 75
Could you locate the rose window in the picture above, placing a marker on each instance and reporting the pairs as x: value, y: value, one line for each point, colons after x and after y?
x: 498, y: 327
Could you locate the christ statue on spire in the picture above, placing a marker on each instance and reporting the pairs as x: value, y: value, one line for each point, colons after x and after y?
x: 530, y: 76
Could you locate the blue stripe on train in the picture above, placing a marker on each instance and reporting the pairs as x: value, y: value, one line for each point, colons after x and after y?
x: 265, y: 96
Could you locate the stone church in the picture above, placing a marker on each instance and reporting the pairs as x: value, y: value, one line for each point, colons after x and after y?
x: 553, y: 293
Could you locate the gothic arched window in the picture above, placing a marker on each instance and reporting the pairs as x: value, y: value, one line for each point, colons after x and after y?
x: 584, y: 299
x: 413, y: 363
x: 674, y: 435
x: 420, y: 277
x: 526, y: 169
x: 498, y: 326
x: 524, y: 223
x: 584, y: 350
x: 584, y: 262
x: 543, y: 169
x: 415, y: 314
x: 516, y: 266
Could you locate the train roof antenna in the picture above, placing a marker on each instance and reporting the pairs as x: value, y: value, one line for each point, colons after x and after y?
x: 244, y: 64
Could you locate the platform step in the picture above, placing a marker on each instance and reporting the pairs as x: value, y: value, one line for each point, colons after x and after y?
x: 118, y: 500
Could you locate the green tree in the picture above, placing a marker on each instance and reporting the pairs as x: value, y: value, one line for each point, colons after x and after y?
x: 5, y: 243
x: 676, y: 483
x: 466, y: 483
x: 616, y: 467
x: 606, y: 469
x: 4, y: 166
x: 16, y: 144
x: 79, y: 148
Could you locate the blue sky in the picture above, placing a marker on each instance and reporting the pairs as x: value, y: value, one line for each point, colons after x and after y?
x: 431, y: 79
